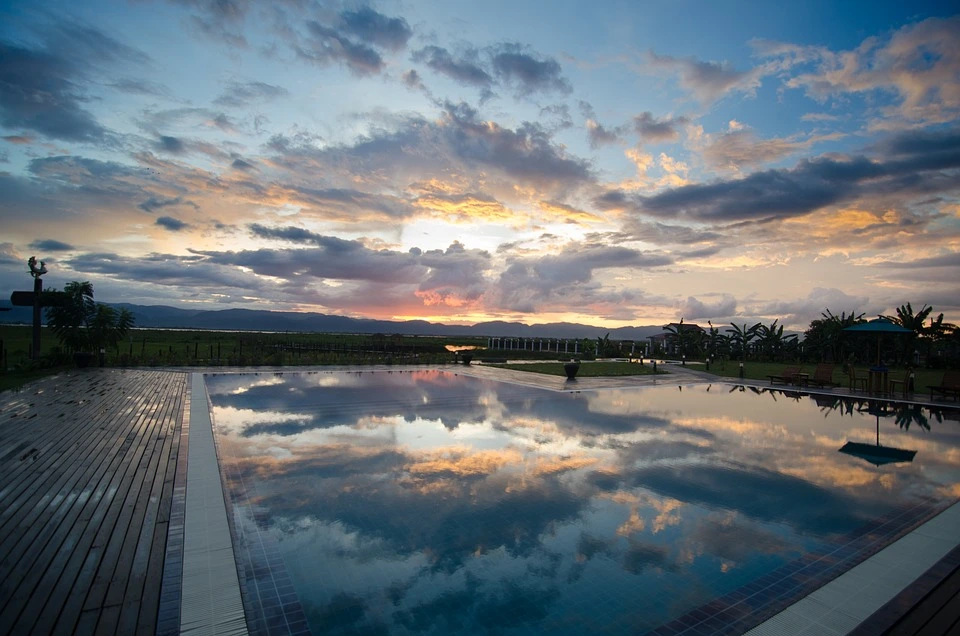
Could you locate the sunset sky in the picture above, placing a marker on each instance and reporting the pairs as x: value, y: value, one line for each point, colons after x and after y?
x: 610, y: 163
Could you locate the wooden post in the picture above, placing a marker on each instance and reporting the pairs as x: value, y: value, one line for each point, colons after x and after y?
x: 37, y: 289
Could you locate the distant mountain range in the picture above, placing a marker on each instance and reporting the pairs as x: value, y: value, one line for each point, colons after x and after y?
x: 160, y: 316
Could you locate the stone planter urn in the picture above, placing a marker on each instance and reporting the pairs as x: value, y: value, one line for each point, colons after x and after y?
x: 571, y: 368
x: 466, y: 357
x: 82, y: 358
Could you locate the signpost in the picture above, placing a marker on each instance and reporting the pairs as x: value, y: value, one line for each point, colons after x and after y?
x: 37, y: 299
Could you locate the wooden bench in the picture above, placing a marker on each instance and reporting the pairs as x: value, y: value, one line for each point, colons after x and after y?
x: 823, y: 376
x: 948, y: 387
x: 790, y: 375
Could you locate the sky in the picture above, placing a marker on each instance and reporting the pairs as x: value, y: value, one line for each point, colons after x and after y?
x: 609, y: 163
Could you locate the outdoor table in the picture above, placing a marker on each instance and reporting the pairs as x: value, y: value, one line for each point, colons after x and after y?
x: 877, y: 379
x: 803, y: 379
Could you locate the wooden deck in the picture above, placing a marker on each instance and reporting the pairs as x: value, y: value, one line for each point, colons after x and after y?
x: 87, y: 466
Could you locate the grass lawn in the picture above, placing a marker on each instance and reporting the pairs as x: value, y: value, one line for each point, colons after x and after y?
x: 587, y: 369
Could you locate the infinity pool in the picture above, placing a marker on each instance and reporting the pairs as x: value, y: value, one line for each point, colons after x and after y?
x: 426, y: 502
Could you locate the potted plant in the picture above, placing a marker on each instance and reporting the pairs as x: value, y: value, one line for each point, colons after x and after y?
x: 571, y: 368
x: 84, y: 327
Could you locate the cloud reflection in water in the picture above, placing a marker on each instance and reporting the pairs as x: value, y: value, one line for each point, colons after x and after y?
x: 434, y: 503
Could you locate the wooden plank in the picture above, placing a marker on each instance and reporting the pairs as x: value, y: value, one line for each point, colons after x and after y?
x: 13, y: 576
x: 47, y: 517
x: 143, y: 595
x: 90, y: 505
x: 137, y: 526
x: 56, y: 555
x: 937, y: 608
x: 80, y: 577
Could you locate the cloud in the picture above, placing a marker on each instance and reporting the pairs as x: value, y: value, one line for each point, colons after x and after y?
x: 51, y: 245
x: 739, y: 147
x: 695, y: 309
x: 40, y: 93
x: 707, y: 81
x: 139, y: 86
x: 799, y: 311
x: 565, y: 279
x: 240, y: 94
x: 326, y: 45
x: 464, y: 70
x: 458, y: 142
x: 377, y: 29
x: 653, y: 130
x: 600, y: 136
x: 155, y: 203
x: 412, y: 79
x: 917, y: 65
x: 172, y: 145
x: 331, y: 258
x: 170, y: 223
x: 42, y: 86
x: 528, y: 72
x: 943, y: 260
x: 811, y: 185
x: 509, y: 64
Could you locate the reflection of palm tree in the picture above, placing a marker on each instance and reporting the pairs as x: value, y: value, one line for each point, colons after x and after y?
x: 907, y: 414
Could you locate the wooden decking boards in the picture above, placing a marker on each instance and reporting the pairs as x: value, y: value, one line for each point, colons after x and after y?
x: 87, y: 465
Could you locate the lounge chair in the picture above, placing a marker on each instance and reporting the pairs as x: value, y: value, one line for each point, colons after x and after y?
x: 948, y: 387
x: 823, y: 376
x: 789, y: 375
x: 906, y: 381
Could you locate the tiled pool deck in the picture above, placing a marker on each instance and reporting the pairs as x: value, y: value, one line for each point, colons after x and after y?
x: 99, y: 532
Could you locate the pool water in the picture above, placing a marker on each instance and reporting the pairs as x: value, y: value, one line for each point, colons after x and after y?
x: 426, y: 502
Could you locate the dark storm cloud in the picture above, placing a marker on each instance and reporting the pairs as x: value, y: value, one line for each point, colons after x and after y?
x: 288, y: 233
x: 172, y: 145
x: 811, y: 185
x: 170, y: 223
x: 377, y: 29
x: 81, y: 171
x: 326, y: 46
x: 41, y: 88
x: 332, y: 258
x: 51, y: 245
x: 240, y: 94
x: 528, y: 72
x: 39, y: 92
x: 155, y: 203
x: 164, y: 269
x: 465, y: 70
x: 655, y: 130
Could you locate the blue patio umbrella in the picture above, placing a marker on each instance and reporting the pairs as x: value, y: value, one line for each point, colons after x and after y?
x: 875, y: 453
x: 879, y: 326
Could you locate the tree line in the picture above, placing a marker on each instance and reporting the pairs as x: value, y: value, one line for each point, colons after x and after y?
x: 931, y: 341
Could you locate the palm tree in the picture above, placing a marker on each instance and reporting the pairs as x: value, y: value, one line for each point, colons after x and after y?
x: 772, y: 341
x: 740, y: 337
x: 83, y: 326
